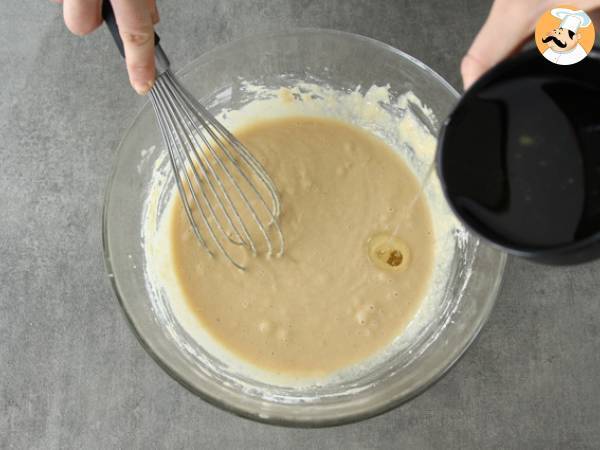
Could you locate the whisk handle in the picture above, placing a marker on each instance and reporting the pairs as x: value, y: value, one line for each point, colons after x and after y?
x: 111, y: 22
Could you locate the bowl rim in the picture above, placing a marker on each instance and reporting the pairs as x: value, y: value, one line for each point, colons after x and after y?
x: 347, y: 418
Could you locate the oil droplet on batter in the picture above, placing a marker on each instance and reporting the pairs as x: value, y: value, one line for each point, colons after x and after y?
x: 265, y: 327
x: 382, y: 277
x: 282, y: 335
x: 388, y: 252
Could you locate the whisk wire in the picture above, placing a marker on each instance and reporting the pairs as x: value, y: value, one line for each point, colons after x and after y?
x: 194, y: 159
x: 203, y: 154
x: 246, y: 156
x: 176, y: 132
x: 195, y: 133
x: 172, y: 158
x: 210, y: 125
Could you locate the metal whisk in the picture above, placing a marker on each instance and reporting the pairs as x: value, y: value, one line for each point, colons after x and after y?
x: 222, y: 186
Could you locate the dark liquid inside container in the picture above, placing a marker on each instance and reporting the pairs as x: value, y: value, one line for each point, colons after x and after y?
x: 520, y: 155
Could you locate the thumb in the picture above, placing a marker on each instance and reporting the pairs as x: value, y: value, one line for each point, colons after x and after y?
x: 505, y: 29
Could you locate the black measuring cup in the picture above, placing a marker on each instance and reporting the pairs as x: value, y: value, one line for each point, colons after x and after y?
x: 519, y: 158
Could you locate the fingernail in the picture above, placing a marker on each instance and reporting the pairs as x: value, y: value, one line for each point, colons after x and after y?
x: 144, y: 87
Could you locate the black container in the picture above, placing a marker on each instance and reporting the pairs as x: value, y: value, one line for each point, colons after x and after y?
x: 519, y: 158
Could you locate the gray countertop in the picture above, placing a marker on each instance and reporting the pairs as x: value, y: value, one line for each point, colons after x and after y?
x: 74, y: 376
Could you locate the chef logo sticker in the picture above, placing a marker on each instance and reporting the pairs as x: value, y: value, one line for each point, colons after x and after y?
x: 565, y: 35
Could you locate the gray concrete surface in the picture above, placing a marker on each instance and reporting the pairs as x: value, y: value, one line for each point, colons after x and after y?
x: 74, y: 376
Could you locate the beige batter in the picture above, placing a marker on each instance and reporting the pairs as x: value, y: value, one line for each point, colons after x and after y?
x: 345, y: 287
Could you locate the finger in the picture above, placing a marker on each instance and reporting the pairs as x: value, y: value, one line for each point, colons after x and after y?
x: 153, y: 11
x: 82, y: 16
x: 507, y: 25
x: 136, y: 30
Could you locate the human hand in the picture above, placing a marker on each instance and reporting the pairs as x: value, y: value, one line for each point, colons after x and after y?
x: 508, y: 26
x: 135, y: 18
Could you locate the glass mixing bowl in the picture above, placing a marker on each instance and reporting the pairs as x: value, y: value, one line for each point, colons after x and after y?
x: 343, y: 61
